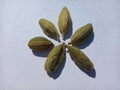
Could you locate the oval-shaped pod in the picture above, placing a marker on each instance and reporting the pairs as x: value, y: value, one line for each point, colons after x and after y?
x: 55, y: 58
x: 39, y: 44
x: 80, y: 59
x: 49, y: 28
x: 81, y: 35
x: 64, y: 21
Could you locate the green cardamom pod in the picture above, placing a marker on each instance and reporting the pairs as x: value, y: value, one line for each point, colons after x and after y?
x: 49, y: 28
x: 64, y: 21
x: 81, y: 35
x: 55, y: 58
x: 80, y: 59
x: 40, y: 44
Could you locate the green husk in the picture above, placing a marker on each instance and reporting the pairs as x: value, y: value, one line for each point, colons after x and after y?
x: 80, y: 59
x: 81, y: 35
x: 55, y: 58
x: 49, y: 28
x: 39, y: 44
x: 64, y: 21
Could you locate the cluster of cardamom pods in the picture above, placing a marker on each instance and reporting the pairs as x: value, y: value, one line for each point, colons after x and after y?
x: 57, y: 54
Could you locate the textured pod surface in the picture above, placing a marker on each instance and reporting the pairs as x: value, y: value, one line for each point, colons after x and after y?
x: 81, y: 35
x: 55, y: 58
x: 49, y: 28
x: 82, y: 61
x: 64, y: 21
x: 40, y: 44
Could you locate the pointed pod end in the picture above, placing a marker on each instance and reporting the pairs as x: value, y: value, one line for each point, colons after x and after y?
x: 53, y: 44
x: 40, y: 20
x: 63, y: 43
x: 58, y: 39
x: 63, y: 36
x: 66, y: 46
x: 69, y: 43
x: 65, y: 8
x: 89, y: 24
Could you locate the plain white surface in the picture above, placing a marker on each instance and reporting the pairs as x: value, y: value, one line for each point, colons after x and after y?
x: 21, y: 70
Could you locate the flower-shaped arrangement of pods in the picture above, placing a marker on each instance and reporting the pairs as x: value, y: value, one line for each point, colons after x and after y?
x: 57, y: 54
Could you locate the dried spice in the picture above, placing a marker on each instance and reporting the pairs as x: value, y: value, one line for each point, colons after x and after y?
x: 39, y: 44
x: 57, y: 55
x: 80, y: 59
x: 49, y: 28
x: 81, y: 35
x: 55, y: 58
x: 64, y: 21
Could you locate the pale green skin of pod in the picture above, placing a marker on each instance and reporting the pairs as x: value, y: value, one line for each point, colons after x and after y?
x: 81, y: 60
x: 39, y: 44
x: 64, y: 21
x: 49, y: 28
x: 55, y: 58
x: 81, y: 35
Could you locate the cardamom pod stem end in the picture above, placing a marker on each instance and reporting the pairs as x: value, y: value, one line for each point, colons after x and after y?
x: 69, y: 43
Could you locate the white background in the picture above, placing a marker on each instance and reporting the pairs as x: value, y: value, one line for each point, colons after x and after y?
x: 21, y: 70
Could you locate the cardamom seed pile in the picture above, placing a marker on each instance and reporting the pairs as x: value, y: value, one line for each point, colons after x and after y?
x: 57, y: 54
